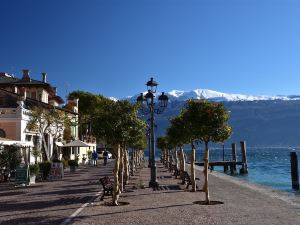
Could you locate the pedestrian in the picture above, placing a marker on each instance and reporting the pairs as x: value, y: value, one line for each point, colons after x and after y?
x: 95, y: 157
x: 105, y: 156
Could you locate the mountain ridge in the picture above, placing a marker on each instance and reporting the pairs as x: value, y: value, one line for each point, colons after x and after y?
x: 217, y: 96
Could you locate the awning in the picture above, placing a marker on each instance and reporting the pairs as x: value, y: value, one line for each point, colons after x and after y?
x: 59, y: 144
x: 77, y: 143
x: 6, y: 141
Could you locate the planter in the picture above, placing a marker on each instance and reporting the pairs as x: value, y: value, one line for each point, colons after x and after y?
x: 32, y: 179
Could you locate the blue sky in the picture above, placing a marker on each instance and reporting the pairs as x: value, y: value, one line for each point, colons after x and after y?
x: 113, y: 47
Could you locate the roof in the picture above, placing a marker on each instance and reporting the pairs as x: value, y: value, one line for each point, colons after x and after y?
x: 29, y: 102
x: 7, y: 79
x: 57, y: 99
x: 6, y: 141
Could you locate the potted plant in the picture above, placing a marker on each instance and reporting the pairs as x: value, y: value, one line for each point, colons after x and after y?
x: 36, y: 154
x: 83, y: 159
x: 73, y: 164
x: 45, y: 169
x: 33, y: 171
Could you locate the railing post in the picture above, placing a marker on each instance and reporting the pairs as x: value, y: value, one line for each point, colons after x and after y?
x: 233, y: 150
x: 244, y: 169
x: 294, y: 170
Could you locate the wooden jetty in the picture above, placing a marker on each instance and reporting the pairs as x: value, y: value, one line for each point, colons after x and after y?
x: 233, y: 163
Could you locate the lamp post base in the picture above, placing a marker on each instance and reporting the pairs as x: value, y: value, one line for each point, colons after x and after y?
x: 153, y: 181
x: 153, y: 184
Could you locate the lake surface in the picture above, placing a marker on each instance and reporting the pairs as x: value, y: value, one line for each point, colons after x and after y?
x: 267, y: 166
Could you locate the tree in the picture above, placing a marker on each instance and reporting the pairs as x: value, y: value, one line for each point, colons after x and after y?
x: 209, y: 123
x: 51, y: 122
x: 117, y: 122
x: 89, y: 107
x: 178, y: 136
x: 162, y: 144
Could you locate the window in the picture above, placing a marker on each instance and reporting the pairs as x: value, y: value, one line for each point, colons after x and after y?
x: 28, y: 137
x: 2, y: 133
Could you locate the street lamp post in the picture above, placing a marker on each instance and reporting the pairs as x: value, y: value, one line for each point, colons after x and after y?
x: 149, y: 144
x: 151, y: 108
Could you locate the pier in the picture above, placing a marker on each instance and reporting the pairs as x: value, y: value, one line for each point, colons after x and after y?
x: 233, y: 163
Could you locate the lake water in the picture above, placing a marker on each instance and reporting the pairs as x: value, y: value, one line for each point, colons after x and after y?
x: 266, y: 166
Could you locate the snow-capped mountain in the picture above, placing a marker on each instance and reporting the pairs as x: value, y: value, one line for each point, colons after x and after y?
x: 274, y: 122
x: 219, y: 96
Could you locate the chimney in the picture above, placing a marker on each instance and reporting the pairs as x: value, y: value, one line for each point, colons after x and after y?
x: 26, y: 76
x: 55, y: 90
x: 44, y: 75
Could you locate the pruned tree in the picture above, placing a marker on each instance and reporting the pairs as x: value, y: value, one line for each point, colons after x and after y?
x: 116, y: 122
x: 162, y: 144
x: 209, y: 123
x: 178, y: 136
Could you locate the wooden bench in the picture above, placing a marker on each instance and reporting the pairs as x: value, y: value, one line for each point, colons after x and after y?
x: 107, y: 185
x: 171, y: 167
x: 176, y: 171
x: 187, y: 179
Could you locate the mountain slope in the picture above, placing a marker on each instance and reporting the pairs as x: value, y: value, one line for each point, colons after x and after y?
x: 260, y: 120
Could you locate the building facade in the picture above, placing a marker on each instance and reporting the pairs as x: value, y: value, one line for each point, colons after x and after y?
x: 17, y: 97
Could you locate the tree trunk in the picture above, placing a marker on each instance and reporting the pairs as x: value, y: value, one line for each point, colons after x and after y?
x: 46, y: 152
x: 182, y: 163
x: 121, y: 170
x: 116, y: 189
x: 132, y: 162
x: 126, y: 167
x: 55, y: 150
x: 193, y: 172
x: 206, y: 163
x: 167, y: 159
x: 170, y: 160
x: 137, y: 158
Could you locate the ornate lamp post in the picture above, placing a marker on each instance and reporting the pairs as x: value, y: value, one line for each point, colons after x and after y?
x: 149, y: 107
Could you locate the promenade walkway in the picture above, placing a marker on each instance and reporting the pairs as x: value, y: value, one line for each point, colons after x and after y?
x: 171, y: 204
x: 75, y: 200
x: 51, y: 202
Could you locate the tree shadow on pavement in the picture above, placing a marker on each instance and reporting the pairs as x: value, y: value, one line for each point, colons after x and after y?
x: 33, y: 220
x: 31, y: 205
x: 68, y: 192
x: 12, y: 193
x: 3, y: 215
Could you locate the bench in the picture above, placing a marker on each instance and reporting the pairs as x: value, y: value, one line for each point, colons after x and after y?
x: 107, y: 185
x: 176, y: 171
x: 170, y: 167
x: 187, y: 179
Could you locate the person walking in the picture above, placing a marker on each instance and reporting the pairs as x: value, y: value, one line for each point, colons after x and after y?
x: 105, y: 156
x: 95, y: 157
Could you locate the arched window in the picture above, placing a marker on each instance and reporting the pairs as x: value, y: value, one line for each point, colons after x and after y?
x: 2, y: 133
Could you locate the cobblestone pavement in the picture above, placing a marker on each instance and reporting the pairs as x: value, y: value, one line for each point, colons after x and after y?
x: 236, y: 202
x: 50, y: 202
